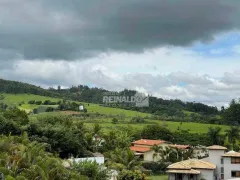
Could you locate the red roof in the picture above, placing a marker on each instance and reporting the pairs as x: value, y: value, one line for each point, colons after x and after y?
x: 149, y: 142
x: 139, y: 149
x: 179, y: 146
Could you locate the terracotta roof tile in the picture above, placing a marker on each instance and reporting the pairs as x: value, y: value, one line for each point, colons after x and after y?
x: 216, y: 147
x: 192, y: 163
x: 139, y: 149
x: 191, y: 171
x: 232, y: 154
x: 149, y: 142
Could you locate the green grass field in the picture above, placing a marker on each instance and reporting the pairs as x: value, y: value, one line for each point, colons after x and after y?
x: 114, y: 111
x: 192, y: 127
x: 12, y: 99
x: 16, y: 99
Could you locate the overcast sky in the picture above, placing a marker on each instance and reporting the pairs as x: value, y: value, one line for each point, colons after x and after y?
x: 174, y: 49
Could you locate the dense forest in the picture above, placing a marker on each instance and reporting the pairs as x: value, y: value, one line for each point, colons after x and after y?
x: 157, y: 106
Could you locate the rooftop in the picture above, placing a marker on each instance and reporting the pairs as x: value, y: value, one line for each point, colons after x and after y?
x: 232, y: 154
x: 179, y: 146
x: 192, y: 163
x: 191, y: 171
x: 216, y: 147
x: 148, y: 142
x: 139, y: 149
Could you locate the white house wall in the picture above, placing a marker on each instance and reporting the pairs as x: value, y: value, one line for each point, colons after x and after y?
x: 206, y: 174
x: 215, y: 158
x: 228, y: 168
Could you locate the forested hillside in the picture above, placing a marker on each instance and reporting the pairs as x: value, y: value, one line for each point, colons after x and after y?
x: 158, y: 106
x: 15, y: 87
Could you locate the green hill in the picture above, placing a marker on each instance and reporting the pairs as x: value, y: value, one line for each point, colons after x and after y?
x: 21, y: 101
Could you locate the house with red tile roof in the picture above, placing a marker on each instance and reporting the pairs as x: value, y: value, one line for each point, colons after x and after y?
x: 143, y: 148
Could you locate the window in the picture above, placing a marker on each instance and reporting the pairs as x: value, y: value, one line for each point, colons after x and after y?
x: 235, y: 160
x: 222, y: 176
x: 235, y: 173
x: 221, y: 160
x: 222, y: 170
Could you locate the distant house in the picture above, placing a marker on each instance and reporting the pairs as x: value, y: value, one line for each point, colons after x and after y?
x: 219, y: 165
x: 200, y: 152
x: 228, y: 164
x: 192, y: 169
x: 143, y: 147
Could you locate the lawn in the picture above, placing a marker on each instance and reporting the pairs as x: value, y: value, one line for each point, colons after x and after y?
x: 93, y: 108
x: 16, y: 99
x: 192, y: 127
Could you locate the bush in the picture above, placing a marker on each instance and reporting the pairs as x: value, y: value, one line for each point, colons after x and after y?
x: 35, y: 111
x: 129, y: 175
x: 38, y: 102
x: 156, y: 167
x: 114, y: 120
x: 50, y: 109
x: 137, y: 120
x: 91, y: 169
x: 47, y: 102
x: 31, y: 102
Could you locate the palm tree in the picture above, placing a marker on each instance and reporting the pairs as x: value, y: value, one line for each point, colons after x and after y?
x: 233, y: 134
x: 214, y: 135
x: 162, y: 152
x: 157, y: 151
x: 125, y: 158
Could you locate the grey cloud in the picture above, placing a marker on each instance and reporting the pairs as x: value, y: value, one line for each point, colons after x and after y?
x: 181, y: 77
x: 76, y: 29
x: 49, y: 73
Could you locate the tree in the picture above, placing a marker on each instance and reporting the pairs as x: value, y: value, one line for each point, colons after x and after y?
x: 124, y: 157
x: 17, y: 115
x: 92, y: 170
x: 116, y: 139
x: 215, y: 136
x: 233, y: 135
x: 232, y: 114
x: 156, y: 132
x: 22, y: 159
x: 114, y: 120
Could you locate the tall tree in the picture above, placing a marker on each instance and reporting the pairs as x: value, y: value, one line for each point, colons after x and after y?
x: 232, y: 114
x: 215, y: 136
x: 233, y: 135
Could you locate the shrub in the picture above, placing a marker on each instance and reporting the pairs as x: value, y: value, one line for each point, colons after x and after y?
x: 91, y: 169
x: 128, y: 175
x: 50, y: 109
x: 156, y: 167
x: 137, y: 119
x: 114, y: 120
x: 31, y: 102
x: 38, y: 102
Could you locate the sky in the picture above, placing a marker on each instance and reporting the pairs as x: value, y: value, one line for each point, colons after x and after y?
x: 173, y: 49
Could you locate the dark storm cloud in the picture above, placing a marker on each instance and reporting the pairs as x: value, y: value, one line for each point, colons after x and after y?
x: 75, y: 29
